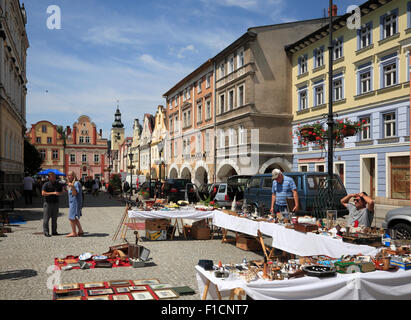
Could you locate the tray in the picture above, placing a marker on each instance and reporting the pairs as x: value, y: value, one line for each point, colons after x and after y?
x: 361, y: 238
x: 305, y: 227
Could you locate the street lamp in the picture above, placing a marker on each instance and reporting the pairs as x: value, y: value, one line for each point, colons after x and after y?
x: 131, y: 167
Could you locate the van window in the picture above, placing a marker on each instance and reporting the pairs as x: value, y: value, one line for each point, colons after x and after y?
x: 267, y: 183
x: 254, y: 183
x: 222, y: 188
x: 314, y: 182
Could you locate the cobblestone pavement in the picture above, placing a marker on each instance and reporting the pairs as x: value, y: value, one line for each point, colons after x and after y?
x: 27, y: 256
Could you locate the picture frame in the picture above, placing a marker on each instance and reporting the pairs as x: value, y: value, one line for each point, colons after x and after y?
x: 66, y: 294
x: 166, y: 294
x: 138, y: 288
x: 158, y: 286
x: 68, y: 286
x: 142, y: 295
x: 119, y: 283
x: 121, y: 297
x: 122, y: 290
x: 146, y: 282
x: 100, y: 292
x: 91, y: 285
x: 104, y: 297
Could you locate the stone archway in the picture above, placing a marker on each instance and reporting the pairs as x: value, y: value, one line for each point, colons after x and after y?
x: 200, y: 176
x: 185, y: 173
x: 225, y: 172
x: 276, y: 163
x: 173, y: 172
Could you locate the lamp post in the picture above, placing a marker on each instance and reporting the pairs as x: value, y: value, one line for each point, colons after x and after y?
x: 130, y: 155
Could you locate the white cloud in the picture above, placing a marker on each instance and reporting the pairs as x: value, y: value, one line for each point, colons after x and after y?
x: 190, y: 47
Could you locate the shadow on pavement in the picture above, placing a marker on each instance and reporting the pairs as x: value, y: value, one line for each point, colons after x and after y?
x: 17, y: 274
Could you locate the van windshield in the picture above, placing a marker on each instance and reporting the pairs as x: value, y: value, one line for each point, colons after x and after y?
x: 315, y: 182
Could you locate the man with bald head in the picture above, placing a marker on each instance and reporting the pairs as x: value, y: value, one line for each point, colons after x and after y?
x: 51, y: 191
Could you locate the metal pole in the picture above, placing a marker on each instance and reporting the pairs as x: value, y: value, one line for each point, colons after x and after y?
x: 330, y: 98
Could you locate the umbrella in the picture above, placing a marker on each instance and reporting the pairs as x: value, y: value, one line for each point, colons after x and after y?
x: 47, y: 171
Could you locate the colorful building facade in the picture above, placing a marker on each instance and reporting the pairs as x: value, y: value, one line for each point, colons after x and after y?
x: 370, y: 84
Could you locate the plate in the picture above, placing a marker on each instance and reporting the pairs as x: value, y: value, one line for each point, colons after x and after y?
x: 85, y: 256
x: 100, y: 258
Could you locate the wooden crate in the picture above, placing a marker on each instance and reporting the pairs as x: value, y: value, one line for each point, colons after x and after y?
x: 157, y: 224
x: 248, y: 243
x: 200, y: 232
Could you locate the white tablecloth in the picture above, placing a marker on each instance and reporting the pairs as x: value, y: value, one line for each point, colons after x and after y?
x: 237, y: 224
x: 310, y: 244
x: 180, y: 213
x: 376, y: 285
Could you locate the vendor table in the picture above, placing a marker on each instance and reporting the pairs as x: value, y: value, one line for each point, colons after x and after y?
x: 180, y: 213
x: 375, y: 285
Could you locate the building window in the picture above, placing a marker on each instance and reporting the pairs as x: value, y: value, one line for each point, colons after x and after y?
x: 365, y: 82
x: 240, y: 58
x: 208, y: 81
x: 319, y: 95
x: 198, y: 143
x: 338, y: 48
x: 222, y: 139
x: 87, y: 139
x: 242, y: 135
x: 96, y: 158
x: 231, y: 100
x: 409, y: 15
x: 389, y: 24
x: 84, y: 158
x: 176, y: 124
x: 55, y: 155
x: 231, y: 137
x: 319, y: 57
x: 208, y: 109
x: 72, y: 158
x: 365, y: 134
x: 222, y: 101
x: 231, y: 64
x: 81, y: 139
x: 303, y: 64
x: 302, y: 99
x: 49, y: 140
x: 390, y: 75
x: 303, y: 168
x: 207, y: 142
x: 44, y: 128
x: 222, y: 70
x: 338, y: 89
x: 400, y: 177
x: 199, y: 83
x: 43, y: 154
x: 389, y: 125
x: 170, y: 126
x: 188, y: 93
x: 176, y: 100
x: 38, y: 140
x: 240, y: 96
x: 365, y: 36
x: 175, y: 149
x: 199, y: 112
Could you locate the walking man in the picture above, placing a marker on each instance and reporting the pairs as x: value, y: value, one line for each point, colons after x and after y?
x: 51, y: 191
x: 29, y: 183
x: 283, y: 188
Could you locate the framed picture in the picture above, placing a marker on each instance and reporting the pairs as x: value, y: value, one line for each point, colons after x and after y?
x: 123, y: 290
x: 120, y: 297
x: 146, y: 281
x: 64, y: 294
x: 100, y: 292
x: 160, y: 286
x: 142, y: 295
x: 89, y: 285
x: 138, y: 288
x: 68, y: 286
x: 99, y: 298
x: 166, y: 294
x: 119, y: 283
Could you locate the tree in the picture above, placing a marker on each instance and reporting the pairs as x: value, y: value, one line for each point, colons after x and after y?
x: 32, y: 159
x: 62, y: 131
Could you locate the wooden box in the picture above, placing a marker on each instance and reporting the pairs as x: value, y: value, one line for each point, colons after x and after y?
x: 157, y: 224
x: 305, y: 227
x: 248, y: 243
x: 154, y: 235
x: 201, y: 232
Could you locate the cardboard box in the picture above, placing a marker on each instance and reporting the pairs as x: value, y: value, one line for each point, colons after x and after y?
x: 200, y: 232
x: 157, y: 224
x: 248, y: 243
x: 156, y: 235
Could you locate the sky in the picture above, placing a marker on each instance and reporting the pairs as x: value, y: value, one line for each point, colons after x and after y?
x: 131, y: 52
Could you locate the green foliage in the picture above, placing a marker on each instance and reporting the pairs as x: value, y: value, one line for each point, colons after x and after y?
x: 32, y: 159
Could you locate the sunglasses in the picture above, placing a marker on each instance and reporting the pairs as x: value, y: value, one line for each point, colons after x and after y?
x: 357, y: 200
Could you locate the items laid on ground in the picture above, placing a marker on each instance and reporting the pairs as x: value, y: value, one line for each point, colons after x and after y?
x: 144, y: 289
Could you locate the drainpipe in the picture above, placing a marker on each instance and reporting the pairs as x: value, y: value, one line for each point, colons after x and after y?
x: 215, y: 124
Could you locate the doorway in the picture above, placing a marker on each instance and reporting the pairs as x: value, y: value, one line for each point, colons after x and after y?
x: 368, y: 177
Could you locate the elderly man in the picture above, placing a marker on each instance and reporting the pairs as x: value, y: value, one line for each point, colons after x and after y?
x: 51, y: 191
x: 361, y: 213
x: 283, y: 187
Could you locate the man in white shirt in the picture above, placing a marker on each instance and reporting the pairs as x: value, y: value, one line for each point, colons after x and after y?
x: 28, y: 183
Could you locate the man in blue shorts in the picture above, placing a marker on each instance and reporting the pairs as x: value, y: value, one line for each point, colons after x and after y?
x: 283, y: 188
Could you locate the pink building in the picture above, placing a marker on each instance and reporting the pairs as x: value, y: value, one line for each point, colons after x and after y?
x: 86, y: 150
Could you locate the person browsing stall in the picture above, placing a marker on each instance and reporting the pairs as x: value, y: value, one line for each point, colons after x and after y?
x: 51, y: 191
x: 75, y: 197
x: 283, y: 187
x: 361, y: 213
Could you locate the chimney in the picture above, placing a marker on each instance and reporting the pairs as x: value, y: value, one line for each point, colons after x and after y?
x: 334, y: 11
x: 68, y: 131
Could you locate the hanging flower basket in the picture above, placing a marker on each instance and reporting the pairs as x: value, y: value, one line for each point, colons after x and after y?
x: 310, y: 133
x: 348, y: 131
x: 349, y: 128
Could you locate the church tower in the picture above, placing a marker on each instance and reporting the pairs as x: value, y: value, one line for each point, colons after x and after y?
x: 117, y: 131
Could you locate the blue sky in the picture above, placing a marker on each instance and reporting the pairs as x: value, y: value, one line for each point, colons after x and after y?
x: 134, y: 51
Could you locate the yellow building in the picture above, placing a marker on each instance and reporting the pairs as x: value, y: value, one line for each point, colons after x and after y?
x: 44, y: 136
x: 158, y: 145
x: 370, y: 84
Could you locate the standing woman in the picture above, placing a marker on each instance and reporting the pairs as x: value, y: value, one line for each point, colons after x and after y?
x: 75, y: 204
